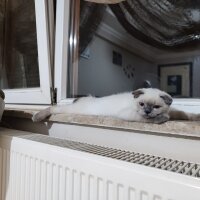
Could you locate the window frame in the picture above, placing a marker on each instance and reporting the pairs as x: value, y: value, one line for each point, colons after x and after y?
x: 61, y: 48
x: 64, y: 58
x: 42, y: 94
x: 66, y: 49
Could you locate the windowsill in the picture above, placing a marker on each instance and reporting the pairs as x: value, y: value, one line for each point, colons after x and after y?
x: 185, y: 129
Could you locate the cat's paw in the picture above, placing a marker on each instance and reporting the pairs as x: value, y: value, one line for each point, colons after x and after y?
x: 36, y: 117
x: 161, y: 119
x: 41, y: 115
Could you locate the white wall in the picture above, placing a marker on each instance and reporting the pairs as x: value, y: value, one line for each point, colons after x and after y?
x: 99, y: 76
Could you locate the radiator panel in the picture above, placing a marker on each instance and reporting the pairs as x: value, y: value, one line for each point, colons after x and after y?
x: 31, y: 170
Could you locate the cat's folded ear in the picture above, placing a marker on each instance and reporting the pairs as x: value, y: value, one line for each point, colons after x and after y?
x: 2, y: 95
x: 167, y: 99
x: 137, y: 93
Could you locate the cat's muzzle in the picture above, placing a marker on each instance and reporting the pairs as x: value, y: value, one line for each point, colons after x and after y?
x: 149, y: 115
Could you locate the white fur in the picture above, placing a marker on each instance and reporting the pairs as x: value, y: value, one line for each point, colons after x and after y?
x: 123, y: 106
x: 118, y: 105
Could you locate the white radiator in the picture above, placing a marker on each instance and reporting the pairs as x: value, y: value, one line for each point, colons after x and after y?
x: 37, y: 167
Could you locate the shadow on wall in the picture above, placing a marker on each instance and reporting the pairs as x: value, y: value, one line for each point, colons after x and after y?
x: 27, y: 124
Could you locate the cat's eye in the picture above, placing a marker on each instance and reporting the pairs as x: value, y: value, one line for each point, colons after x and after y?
x: 156, y: 106
x: 141, y: 103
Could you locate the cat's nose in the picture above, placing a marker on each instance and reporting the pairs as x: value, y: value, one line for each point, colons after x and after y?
x: 147, y: 111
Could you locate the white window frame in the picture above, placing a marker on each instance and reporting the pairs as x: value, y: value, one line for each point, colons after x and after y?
x: 64, y: 42
x: 42, y: 94
x: 61, y: 48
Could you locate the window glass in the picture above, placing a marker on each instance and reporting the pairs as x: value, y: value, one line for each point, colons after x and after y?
x: 19, y: 54
x: 136, y: 44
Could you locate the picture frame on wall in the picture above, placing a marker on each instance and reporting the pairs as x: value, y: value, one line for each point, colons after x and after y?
x: 176, y: 79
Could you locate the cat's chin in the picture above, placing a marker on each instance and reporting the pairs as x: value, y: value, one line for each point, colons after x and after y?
x: 147, y: 117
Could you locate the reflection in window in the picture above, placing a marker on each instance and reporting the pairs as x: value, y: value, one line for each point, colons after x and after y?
x: 19, y: 57
x: 155, y: 42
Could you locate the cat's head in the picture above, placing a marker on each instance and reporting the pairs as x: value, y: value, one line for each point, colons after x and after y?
x: 151, y: 102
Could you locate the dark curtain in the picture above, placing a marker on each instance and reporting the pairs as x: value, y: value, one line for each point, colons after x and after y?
x: 161, y: 23
x: 20, y: 44
x: 91, y: 15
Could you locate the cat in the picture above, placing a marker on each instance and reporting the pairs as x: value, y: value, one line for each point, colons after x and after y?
x: 143, y: 105
x: 2, y: 103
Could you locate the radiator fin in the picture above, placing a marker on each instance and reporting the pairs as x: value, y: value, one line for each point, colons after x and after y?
x: 36, y: 179
x: 131, y: 194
